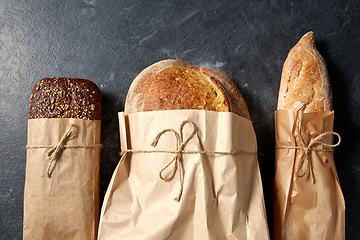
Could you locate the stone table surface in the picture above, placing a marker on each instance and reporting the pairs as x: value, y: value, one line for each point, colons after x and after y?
x: 109, y: 42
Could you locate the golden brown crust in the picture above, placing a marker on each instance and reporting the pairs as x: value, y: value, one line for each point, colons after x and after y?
x: 173, y: 84
x: 305, y: 84
x: 237, y: 102
x: 65, y: 98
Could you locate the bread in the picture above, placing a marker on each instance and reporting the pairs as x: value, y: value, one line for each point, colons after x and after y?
x: 65, y: 98
x: 173, y: 84
x: 305, y: 84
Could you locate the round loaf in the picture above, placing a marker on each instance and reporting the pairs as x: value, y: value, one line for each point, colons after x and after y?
x: 173, y: 84
x: 305, y: 84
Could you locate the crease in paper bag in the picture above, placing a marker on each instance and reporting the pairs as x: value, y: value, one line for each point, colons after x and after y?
x: 222, y: 195
x: 302, y: 209
x: 65, y: 206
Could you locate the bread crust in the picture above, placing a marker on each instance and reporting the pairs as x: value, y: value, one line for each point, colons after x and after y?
x: 237, y: 102
x: 65, y: 98
x: 174, y: 84
x: 305, y: 84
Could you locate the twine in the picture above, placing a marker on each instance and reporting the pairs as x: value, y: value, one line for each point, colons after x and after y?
x: 308, y: 149
x: 177, y: 160
x: 55, y: 151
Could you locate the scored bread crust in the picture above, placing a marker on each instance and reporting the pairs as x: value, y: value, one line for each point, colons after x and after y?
x: 305, y: 84
x: 237, y: 102
x: 173, y: 84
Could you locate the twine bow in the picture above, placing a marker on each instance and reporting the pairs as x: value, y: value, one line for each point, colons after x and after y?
x: 180, y: 145
x: 179, y: 151
x: 308, y: 149
x: 54, y: 153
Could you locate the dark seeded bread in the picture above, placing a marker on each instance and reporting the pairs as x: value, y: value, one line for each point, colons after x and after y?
x: 173, y: 84
x: 65, y: 98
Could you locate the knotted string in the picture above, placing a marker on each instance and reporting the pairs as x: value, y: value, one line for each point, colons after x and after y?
x: 177, y: 160
x: 180, y: 145
x: 55, y: 151
x: 308, y: 149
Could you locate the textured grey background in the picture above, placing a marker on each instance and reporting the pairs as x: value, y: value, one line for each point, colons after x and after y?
x: 109, y: 42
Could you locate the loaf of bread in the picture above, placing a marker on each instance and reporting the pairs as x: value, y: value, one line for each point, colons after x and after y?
x: 173, y: 84
x: 65, y: 98
x: 61, y: 194
x: 308, y: 202
x: 305, y: 84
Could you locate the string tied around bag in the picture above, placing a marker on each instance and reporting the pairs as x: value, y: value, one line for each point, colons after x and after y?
x: 310, y: 148
x: 177, y: 160
x: 55, y: 151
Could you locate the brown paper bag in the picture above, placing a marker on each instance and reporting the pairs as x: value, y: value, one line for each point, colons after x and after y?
x: 61, y: 199
x: 308, y: 201
x: 219, y: 194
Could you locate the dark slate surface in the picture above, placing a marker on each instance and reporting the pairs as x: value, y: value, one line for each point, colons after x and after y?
x: 110, y: 42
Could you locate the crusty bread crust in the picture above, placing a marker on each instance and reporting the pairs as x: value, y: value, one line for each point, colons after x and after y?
x: 305, y: 84
x: 65, y: 98
x: 237, y: 102
x: 173, y: 84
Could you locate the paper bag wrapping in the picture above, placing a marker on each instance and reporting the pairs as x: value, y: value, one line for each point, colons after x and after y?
x: 222, y: 196
x: 310, y: 206
x: 66, y: 204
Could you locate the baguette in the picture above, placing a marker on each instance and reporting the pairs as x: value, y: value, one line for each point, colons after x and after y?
x: 305, y: 84
x: 308, y: 201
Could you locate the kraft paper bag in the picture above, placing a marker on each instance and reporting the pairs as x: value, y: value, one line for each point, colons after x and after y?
x: 185, y: 174
x: 308, y: 201
x: 61, y: 197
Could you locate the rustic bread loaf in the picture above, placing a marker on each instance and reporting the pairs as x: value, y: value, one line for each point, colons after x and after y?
x: 65, y: 98
x: 173, y: 84
x: 305, y: 84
